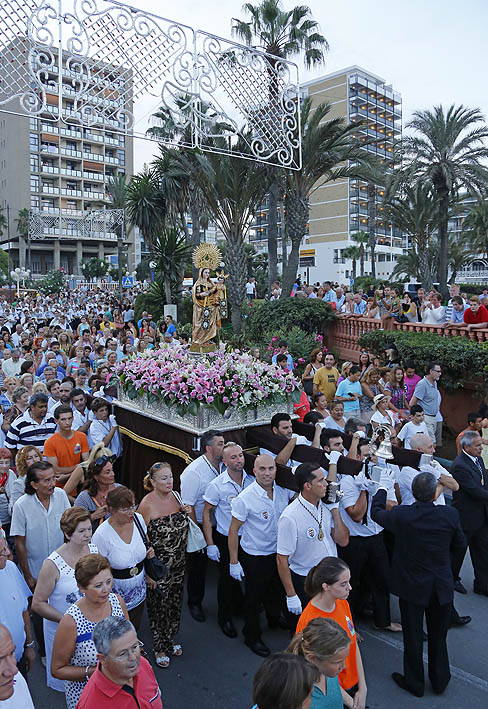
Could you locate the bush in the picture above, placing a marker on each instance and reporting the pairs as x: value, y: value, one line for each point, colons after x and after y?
x: 471, y: 288
x: 300, y: 344
x: 144, y: 301
x: 461, y: 359
x: 53, y: 282
x: 364, y: 282
x: 185, y: 310
x: 309, y: 314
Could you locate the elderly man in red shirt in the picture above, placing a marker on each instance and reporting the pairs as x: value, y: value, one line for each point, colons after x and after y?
x: 123, y: 678
x: 476, y: 315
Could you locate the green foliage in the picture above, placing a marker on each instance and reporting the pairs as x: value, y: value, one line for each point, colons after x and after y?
x: 94, y: 268
x: 310, y: 315
x: 459, y: 357
x: 4, y: 274
x: 142, y: 269
x: 113, y: 271
x: 300, y: 344
x: 364, y: 282
x: 471, y: 288
x: 185, y: 311
x: 144, y: 301
x: 53, y: 282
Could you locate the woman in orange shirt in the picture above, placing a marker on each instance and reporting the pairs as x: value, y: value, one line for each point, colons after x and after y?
x: 328, y: 586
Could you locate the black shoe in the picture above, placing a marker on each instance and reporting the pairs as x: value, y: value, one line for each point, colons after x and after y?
x: 480, y: 591
x: 400, y: 681
x: 228, y: 629
x: 460, y: 620
x: 458, y: 586
x: 280, y: 623
x: 197, y: 613
x: 258, y: 648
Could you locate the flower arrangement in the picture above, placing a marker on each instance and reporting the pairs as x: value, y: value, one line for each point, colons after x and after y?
x: 223, y: 380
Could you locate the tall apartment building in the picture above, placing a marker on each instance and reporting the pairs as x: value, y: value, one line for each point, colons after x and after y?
x: 341, y: 208
x: 62, y: 167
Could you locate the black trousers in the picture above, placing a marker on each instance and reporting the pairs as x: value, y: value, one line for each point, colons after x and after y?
x: 196, y: 564
x: 437, y: 619
x: 368, y: 560
x: 230, y: 598
x: 477, y: 542
x: 263, y: 586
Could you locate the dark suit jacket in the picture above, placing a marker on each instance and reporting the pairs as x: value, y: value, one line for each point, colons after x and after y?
x: 471, y: 500
x: 424, y: 535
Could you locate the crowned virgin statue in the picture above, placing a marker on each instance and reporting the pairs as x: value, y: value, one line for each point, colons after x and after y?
x: 206, y: 297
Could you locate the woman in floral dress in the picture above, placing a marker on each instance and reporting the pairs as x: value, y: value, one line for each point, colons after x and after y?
x: 167, y: 529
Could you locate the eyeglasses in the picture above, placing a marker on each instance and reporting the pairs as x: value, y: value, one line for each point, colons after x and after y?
x: 104, y: 459
x: 134, y: 650
x: 126, y: 510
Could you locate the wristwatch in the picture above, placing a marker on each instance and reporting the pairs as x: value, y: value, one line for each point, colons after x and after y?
x: 31, y: 644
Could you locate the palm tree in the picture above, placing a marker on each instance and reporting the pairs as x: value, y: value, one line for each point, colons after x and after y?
x: 171, y: 252
x: 284, y: 34
x: 415, y: 214
x: 233, y: 189
x: 361, y: 238
x: 475, y: 227
x: 327, y: 147
x: 146, y: 207
x: 447, y: 150
x: 22, y: 222
x: 354, y: 253
x: 459, y: 255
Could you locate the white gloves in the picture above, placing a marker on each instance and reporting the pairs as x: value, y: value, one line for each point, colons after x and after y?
x: 332, y: 506
x: 213, y: 552
x: 334, y: 456
x: 365, y: 483
x: 236, y: 571
x: 387, y: 478
x: 294, y: 605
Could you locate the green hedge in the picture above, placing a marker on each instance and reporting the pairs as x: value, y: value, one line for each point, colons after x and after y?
x: 309, y: 314
x: 471, y: 288
x: 461, y: 359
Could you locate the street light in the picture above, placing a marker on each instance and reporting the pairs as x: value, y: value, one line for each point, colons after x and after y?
x: 20, y: 274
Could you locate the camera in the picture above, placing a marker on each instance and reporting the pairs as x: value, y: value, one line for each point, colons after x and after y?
x: 333, y: 493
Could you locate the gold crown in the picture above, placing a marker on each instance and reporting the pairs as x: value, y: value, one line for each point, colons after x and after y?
x: 207, y: 256
x: 221, y: 274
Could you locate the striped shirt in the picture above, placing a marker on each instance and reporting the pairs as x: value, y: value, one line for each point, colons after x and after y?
x: 25, y: 431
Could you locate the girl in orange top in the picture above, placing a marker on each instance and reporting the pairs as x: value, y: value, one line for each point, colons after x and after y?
x: 328, y: 586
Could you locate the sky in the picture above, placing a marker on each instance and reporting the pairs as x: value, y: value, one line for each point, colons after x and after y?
x: 431, y: 51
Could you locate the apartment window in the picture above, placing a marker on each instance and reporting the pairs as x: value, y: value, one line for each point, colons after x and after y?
x: 122, y: 141
x: 34, y: 163
x: 71, y: 204
x: 35, y: 265
x: 121, y: 156
x: 33, y: 123
x: 109, y: 153
x: 34, y: 202
x: 47, y: 202
x: 34, y: 142
x: 70, y: 165
x: 34, y: 183
x: 88, y: 187
x: 109, y: 171
x: 70, y: 185
x: 71, y: 144
x: 48, y: 182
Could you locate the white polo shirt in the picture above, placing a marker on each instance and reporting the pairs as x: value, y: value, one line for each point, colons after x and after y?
x: 39, y: 526
x: 298, y: 532
x: 194, y: 480
x: 407, y: 474
x: 220, y: 492
x: 260, y: 515
x: 351, y: 495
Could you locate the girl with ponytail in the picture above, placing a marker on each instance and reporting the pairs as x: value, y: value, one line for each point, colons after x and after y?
x: 325, y: 645
x: 328, y: 586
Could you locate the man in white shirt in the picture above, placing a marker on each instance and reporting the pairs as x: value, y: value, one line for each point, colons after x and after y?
x: 308, y: 530
x: 194, y: 480
x: 281, y: 426
x: 11, y: 367
x: 416, y: 425
x: 257, y: 510
x: 35, y: 526
x: 423, y: 443
x: 82, y: 416
x: 433, y: 312
x: 14, y: 693
x: 218, y: 497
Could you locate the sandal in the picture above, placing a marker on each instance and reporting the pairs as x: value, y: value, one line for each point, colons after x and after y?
x: 162, y: 660
x: 177, y: 650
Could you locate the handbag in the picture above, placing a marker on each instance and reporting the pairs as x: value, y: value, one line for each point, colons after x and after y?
x: 196, y: 540
x: 154, y: 567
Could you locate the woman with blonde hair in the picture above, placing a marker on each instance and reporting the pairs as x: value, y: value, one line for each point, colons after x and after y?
x: 77, y: 477
x: 24, y: 459
x: 167, y: 529
x: 40, y: 386
x: 344, y: 371
x: 326, y: 645
x: 27, y: 381
x: 56, y: 587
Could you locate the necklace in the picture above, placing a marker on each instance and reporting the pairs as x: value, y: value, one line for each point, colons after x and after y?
x: 321, y: 534
x: 238, y: 488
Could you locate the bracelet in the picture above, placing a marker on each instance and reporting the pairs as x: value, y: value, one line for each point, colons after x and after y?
x: 86, y: 673
x: 31, y: 644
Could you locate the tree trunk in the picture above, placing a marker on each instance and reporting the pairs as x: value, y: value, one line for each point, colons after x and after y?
x: 297, y: 218
x: 354, y: 269
x: 167, y: 291
x: 236, y: 262
x: 425, y: 269
x: 372, y: 225
x: 361, y: 260
x: 443, y: 240
x: 284, y: 239
x: 273, y: 228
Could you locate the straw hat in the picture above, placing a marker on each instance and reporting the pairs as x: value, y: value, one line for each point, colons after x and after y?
x: 377, y: 399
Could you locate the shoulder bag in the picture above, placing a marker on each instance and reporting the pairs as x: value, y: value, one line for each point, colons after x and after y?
x: 154, y: 567
x: 196, y: 539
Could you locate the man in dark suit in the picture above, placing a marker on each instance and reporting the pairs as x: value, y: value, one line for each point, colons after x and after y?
x: 471, y: 501
x: 421, y: 576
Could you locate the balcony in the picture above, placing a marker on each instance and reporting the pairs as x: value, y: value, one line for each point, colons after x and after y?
x: 71, y: 152
x: 47, y: 189
x: 68, y: 192
x: 50, y: 170
x: 46, y: 128
x: 111, y: 161
x: 93, y: 175
x: 94, y: 157
x: 98, y: 196
x: 51, y: 149
x: 112, y: 141
x: 93, y: 137
x: 71, y: 133
x: 70, y: 173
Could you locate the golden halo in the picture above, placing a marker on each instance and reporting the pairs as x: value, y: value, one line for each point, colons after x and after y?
x: 207, y: 256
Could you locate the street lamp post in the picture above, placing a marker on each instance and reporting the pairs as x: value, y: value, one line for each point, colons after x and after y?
x: 20, y: 274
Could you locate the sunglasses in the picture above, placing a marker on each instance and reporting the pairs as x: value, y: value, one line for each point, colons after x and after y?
x: 100, y: 462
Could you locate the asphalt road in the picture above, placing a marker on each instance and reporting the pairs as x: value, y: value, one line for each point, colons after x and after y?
x: 215, y: 672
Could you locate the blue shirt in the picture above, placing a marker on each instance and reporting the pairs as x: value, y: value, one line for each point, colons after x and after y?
x: 170, y: 330
x: 333, y: 699
x: 457, y: 316
x: 345, y: 388
x: 330, y: 297
x: 289, y: 361
x: 360, y: 308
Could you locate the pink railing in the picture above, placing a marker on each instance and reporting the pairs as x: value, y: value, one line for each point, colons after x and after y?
x: 343, y: 335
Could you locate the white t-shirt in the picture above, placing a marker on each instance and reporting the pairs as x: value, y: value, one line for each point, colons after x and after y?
x: 21, y: 698
x: 407, y: 474
x: 387, y: 420
x: 409, y: 430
